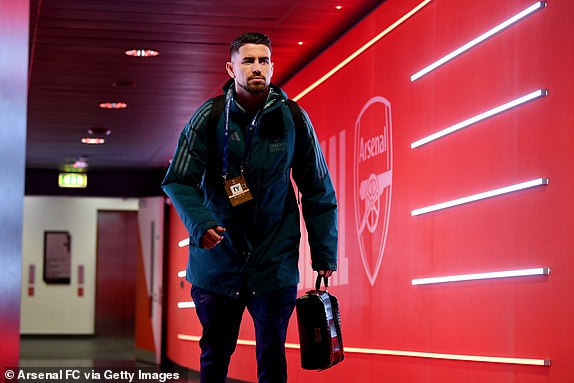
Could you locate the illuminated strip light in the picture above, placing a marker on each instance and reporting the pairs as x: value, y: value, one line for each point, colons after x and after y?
x: 183, y: 242
x: 463, y: 124
x: 514, y: 19
x: 413, y: 354
x: 359, y: 51
x: 480, y: 196
x: 434, y: 355
x: 185, y: 305
x: 181, y: 274
x: 480, y: 276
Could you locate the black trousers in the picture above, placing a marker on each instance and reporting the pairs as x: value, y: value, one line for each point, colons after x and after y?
x: 220, y: 317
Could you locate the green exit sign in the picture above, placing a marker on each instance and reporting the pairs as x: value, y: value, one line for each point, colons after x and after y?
x: 72, y: 180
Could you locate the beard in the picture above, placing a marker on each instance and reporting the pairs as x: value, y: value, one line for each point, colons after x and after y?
x: 256, y: 88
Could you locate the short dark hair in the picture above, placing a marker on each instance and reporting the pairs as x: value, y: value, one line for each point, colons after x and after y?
x: 249, y: 38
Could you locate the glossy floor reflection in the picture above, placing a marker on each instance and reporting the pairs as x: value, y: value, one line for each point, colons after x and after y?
x: 88, y: 352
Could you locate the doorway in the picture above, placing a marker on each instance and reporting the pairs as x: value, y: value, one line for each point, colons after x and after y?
x: 116, y: 269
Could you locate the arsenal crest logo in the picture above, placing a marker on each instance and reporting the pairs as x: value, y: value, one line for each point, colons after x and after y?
x: 373, y: 182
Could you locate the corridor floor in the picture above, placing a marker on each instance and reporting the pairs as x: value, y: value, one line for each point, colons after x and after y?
x: 84, y: 353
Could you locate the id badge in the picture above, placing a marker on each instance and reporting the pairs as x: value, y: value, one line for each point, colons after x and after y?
x: 237, y: 191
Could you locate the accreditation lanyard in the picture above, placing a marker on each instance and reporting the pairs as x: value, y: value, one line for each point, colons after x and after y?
x: 248, y: 138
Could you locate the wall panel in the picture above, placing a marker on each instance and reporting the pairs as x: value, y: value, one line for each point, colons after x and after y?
x: 62, y: 309
x: 510, y: 328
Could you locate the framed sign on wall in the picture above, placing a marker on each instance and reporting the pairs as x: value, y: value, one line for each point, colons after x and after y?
x: 57, y: 257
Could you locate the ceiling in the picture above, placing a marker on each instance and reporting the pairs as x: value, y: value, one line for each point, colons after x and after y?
x: 78, y: 60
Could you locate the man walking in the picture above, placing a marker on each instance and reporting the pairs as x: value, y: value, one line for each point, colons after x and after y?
x: 230, y: 182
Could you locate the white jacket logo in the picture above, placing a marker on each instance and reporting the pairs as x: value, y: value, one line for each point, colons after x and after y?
x: 373, y: 182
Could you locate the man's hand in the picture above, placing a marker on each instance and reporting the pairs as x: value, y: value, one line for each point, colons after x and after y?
x: 212, y: 237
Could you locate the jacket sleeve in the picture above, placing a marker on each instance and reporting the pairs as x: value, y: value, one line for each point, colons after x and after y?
x: 182, y: 182
x: 318, y: 199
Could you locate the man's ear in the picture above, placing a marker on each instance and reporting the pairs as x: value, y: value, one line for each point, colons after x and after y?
x: 229, y: 67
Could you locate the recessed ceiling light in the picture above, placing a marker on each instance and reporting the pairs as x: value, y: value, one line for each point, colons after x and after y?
x: 93, y: 140
x: 75, y: 165
x: 80, y: 163
x: 338, y: 7
x: 300, y: 43
x: 142, y: 52
x: 113, y: 105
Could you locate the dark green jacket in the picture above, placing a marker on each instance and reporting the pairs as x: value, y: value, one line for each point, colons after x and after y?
x: 260, y: 249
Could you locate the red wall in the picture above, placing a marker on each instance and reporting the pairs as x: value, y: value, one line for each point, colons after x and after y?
x: 523, y: 317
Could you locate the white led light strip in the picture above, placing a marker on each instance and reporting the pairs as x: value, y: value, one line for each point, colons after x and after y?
x: 514, y: 19
x: 359, y: 51
x: 185, y: 305
x: 183, y: 242
x: 413, y: 354
x: 480, y: 276
x: 476, y: 197
x: 463, y: 124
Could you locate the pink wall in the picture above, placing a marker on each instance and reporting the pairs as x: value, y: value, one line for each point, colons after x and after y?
x: 14, y: 20
x: 384, y: 247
